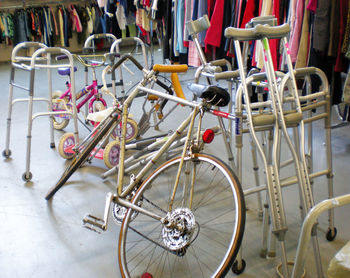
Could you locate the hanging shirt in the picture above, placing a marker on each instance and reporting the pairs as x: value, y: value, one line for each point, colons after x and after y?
x: 120, y: 15
x: 213, y: 36
x: 180, y: 27
x: 61, y: 25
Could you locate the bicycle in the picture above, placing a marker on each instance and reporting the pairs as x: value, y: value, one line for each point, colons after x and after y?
x: 62, y: 101
x: 188, y: 204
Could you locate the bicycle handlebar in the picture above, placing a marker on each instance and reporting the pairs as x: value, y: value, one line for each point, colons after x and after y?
x: 81, y: 59
x: 123, y: 59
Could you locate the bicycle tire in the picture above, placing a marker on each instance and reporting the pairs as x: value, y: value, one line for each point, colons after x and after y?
x: 132, y: 131
x: 79, y: 159
x: 219, y: 211
x: 59, y: 123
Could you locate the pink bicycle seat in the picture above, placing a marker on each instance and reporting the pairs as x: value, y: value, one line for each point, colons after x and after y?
x: 65, y: 71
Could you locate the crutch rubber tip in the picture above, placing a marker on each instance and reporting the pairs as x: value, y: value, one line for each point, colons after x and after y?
x: 263, y: 253
x: 331, y: 234
x: 52, y: 145
x: 6, y: 153
x: 271, y: 254
x: 26, y: 177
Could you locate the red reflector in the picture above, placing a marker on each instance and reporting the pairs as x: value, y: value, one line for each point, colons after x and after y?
x: 208, y: 136
x: 146, y: 275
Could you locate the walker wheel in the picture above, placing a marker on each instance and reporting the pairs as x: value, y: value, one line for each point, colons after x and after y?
x: 7, y: 153
x: 27, y: 178
x: 237, y: 270
x: 331, y: 234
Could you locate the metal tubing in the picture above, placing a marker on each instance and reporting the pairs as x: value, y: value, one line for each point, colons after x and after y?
x: 307, y: 227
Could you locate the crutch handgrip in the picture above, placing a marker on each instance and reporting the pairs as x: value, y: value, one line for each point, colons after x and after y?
x: 226, y: 75
x: 258, y: 32
x: 301, y: 72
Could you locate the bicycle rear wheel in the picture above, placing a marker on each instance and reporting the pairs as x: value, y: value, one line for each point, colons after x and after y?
x: 212, y: 227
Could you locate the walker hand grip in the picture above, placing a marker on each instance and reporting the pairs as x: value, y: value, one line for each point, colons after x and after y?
x: 258, y: 32
x: 53, y: 50
x: 61, y: 57
x: 32, y: 44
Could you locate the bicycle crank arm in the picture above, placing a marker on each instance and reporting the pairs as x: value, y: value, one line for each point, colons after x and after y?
x: 97, y: 224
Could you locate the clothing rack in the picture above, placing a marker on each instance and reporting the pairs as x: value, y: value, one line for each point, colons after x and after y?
x: 25, y: 4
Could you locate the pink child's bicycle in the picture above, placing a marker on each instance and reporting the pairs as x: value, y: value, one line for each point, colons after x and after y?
x: 63, y: 101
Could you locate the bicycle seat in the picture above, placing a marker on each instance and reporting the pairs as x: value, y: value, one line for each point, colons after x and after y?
x: 65, y: 71
x: 213, y: 95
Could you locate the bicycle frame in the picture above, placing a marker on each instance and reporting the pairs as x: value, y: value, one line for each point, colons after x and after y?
x: 88, y: 92
x: 120, y: 197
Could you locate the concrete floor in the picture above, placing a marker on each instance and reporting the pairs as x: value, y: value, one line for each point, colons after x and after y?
x: 46, y: 239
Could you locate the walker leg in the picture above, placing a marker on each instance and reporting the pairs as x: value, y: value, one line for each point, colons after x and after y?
x: 27, y: 176
x: 7, y: 152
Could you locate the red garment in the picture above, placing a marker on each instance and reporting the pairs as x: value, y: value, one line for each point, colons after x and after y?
x: 211, y: 4
x: 248, y: 13
x: 275, y: 42
x: 339, y: 65
x: 213, y: 36
x: 312, y: 6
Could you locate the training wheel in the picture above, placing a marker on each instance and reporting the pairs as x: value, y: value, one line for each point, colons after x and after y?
x: 65, y: 145
x: 331, y: 234
x: 132, y: 131
x: 111, y: 154
x: 26, y: 177
x: 236, y: 269
x: 6, y: 153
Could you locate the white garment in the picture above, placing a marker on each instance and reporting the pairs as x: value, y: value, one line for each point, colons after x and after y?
x: 120, y: 15
x: 102, y: 3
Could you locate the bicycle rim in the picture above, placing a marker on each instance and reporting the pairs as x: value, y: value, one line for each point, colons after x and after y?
x: 218, y: 211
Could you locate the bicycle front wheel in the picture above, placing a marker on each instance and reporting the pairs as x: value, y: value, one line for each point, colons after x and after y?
x: 207, y: 219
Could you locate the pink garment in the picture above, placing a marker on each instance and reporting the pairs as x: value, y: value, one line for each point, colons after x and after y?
x: 76, y: 20
x: 193, y: 56
x: 312, y: 6
x: 296, y: 30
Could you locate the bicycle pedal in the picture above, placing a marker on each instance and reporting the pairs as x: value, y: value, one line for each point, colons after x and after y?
x: 93, y: 223
x: 86, y: 226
